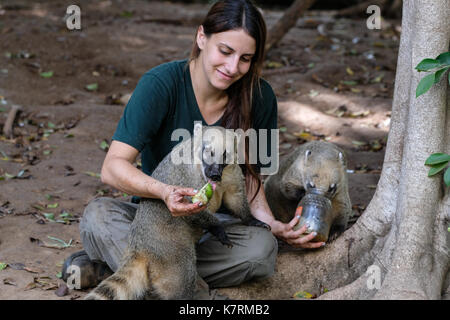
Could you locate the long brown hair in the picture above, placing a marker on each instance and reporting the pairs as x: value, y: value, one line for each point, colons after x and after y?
x: 228, y: 15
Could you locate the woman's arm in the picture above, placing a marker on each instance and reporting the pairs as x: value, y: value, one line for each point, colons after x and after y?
x: 118, y: 171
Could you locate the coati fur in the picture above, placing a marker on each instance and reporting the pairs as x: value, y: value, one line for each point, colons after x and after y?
x: 317, y: 166
x: 160, y: 262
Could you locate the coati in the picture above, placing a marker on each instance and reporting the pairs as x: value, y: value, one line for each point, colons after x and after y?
x: 317, y: 167
x: 160, y: 262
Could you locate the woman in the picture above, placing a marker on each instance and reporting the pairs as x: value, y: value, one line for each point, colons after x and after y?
x: 219, y: 85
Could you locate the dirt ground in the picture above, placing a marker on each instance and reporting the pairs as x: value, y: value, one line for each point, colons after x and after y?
x: 333, y: 79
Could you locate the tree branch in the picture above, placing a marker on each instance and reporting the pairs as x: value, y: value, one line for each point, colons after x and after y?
x: 287, y: 21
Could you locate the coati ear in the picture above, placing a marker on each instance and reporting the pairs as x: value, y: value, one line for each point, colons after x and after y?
x: 307, y: 154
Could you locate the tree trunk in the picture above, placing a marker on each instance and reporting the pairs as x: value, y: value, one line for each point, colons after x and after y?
x: 287, y: 21
x: 403, y: 232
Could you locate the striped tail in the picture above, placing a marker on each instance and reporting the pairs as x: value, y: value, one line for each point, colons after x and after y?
x: 130, y: 282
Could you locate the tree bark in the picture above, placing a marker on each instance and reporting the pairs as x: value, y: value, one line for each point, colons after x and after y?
x: 287, y: 21
x: 403, y: 232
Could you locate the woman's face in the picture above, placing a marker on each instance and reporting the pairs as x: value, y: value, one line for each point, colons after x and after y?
x: 226, y: 56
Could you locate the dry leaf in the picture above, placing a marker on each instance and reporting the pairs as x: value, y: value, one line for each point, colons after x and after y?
x: 9, y: 281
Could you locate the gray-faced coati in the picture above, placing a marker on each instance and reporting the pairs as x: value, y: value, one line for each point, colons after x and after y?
x: 160, y: 262
x: 315, y: 167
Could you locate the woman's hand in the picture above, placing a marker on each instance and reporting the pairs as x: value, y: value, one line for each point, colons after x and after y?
x: 295, y: 238
x: 177, y: 204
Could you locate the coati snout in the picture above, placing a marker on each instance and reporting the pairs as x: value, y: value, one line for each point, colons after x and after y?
x: 214, y: 171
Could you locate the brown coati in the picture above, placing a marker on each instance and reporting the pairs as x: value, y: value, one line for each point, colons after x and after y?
x: 318, y: 168
x: 160, y: 262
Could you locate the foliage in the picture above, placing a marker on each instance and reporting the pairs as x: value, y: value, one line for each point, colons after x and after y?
x: 438, y: 162
x: 437, y: 66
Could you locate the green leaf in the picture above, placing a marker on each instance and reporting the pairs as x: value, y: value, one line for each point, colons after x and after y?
x: 52, y: 206
x: 126, y: 14
x: 425, y: 84
x: 64, y: 244
x: 437, y: 158
x: 436, y: 169
x: 47, y: 74
x: 303, y: 295
x: 49, y: 216
x: 444, y: 58
x: 92, y: 87
x: 438, y: 74
x: 104, y: 145
x: 349, y: 82
x: 447, y: 177
x: 3, y: 266
x: 427, y: 64
x: 65, y: 215
x: 93, y: 174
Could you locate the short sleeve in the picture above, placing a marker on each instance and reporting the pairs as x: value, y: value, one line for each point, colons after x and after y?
x: 144, y: 113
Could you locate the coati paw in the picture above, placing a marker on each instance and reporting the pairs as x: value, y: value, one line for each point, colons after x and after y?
x: 258, y: 223
x: 335, y: 232
x: 221, y: 235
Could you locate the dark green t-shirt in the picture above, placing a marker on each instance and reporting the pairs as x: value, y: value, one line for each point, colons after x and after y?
x: 163, y: 101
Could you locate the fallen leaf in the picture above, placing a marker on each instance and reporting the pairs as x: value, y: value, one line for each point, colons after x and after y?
x: 377, y: 79
x: 359, y: 114
x: 41, y: 282
x: 92, y: 87
x: 376, y: 145
x: 3, y: 266
x: 30, y: 286
x: 41, y: 243
x: 32, y: 270
x: 92, y: 174
x: 303, y: 295
x: 359, y: 143
x: 273, y: 65
x: 303, y: 135
x: 47, y: 74
x: 349, y: 82
x: 104, y: 145
x: 49, y: 216
x: 9, y: 281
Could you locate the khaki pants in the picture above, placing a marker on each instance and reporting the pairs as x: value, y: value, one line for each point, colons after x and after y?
x: 106, y: 224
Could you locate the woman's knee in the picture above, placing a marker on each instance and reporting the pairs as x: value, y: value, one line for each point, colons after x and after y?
x: 263, y: 252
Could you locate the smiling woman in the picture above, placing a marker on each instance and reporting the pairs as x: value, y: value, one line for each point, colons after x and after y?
x: 218, y: 85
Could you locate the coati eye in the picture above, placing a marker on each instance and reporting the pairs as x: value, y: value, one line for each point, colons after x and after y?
x: 310, y: 185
